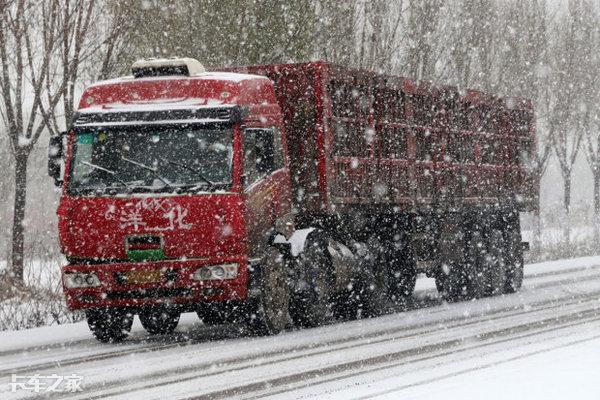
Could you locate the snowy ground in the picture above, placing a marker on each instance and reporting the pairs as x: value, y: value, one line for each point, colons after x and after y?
x: 543, y: 342
x: 555, y: 236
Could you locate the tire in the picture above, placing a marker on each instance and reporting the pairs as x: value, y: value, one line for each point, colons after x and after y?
x: 313, y: 306
x: 473, y: 268
x: 463, y: 278
x: 109, y: 325
x: 514, y: 261
x: 370, y: 297
x: 402, y: 277
x: 374, y: 287
x: 453, y: 283
x: 159, y: 320
x: 495, y: 263
x: 270, y: 314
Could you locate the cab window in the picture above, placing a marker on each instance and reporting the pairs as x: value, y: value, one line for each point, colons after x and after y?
x: 263, y: 153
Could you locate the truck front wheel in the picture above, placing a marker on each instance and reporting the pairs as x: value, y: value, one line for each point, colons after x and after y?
x: 159, y: 320
x: 109, y: 325
x: 270, y: 314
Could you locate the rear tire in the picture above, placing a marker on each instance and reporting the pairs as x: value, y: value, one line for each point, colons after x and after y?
x: 370, y: 293
x: 109, y: 325
x: 159, y: 320
x: 371, y: 297
x: 495, y: 263
x: 514, y: 261
x: 402, y: 277
x: 456, y: 280
x: 269, y: 315
x: 313, y: 306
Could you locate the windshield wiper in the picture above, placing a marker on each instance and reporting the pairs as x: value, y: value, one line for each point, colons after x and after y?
x: 198, y: 173
x: 105, y: 170
x: 153, y: 170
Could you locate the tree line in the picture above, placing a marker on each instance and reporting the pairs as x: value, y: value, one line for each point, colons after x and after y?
x: 540, y: 49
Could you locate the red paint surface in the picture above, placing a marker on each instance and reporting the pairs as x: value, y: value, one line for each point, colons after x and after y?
x: 203, y: 229
x: 224, y: 227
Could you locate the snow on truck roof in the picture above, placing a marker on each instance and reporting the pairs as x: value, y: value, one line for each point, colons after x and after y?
x: 209, y: 89
x: 155, y: 105
x: 174, y: 89
x: 174, y: 82
x: 213, y: 76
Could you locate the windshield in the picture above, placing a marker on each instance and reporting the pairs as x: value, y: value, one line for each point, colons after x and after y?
x: 134, y: 160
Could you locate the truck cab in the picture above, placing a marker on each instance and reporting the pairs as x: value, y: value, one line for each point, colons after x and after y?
x: 174, y: 184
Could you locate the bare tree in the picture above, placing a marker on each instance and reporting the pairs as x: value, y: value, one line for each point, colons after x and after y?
x: 470, y: 33
x: 591, y: 127
x: 589, y: 108
x: 381, y: 27
x: 570, y: 55
x: 523, y: 70
x: 422, y: 25
x: 114, y: 46
x: 29, y: 35
x: 43, y: 46
x: 338, y: 26
x: 91, y: 39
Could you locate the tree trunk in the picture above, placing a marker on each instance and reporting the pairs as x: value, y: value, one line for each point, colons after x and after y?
x: 596, y: 205
x: 18, y: 230
x: 567, y: 205
x: 537, y: 219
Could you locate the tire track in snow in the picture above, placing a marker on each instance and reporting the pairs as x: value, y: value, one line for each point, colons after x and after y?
x: 196, y: 371
x: 181, y: 340
x: 482, y: 366
x: 314, y: 377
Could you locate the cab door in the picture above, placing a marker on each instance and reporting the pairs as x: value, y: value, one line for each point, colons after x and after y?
x: 265, y: 184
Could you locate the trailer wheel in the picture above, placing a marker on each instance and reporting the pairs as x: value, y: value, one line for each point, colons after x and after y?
x: 495, y: 263
x: 473, y: 268
x: 452, y: 282
x: 457, y: 281
x: 270, y: 314
x: 109, y: 325
x: 313, y: 306
x: 402, y: 280
x: 159, y: 320
x: 514, y: 262
x: 371, y: 295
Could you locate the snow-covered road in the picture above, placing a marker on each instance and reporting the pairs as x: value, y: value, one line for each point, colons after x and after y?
x: 543, y: 341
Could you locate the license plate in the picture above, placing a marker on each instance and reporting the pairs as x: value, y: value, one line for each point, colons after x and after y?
x: 143, y: 276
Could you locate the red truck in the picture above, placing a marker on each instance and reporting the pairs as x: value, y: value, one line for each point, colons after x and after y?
x: 285, y: 194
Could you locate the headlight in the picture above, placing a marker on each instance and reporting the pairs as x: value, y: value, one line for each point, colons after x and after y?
x: 216, y: 272
x: 75, y: 280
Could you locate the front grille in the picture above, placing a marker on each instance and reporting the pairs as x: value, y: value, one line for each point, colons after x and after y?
x: 149, y: 293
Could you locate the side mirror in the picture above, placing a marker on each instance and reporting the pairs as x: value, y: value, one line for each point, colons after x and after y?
x: 55, y: 158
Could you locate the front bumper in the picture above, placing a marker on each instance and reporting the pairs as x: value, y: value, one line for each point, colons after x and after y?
x: 176, y: 285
